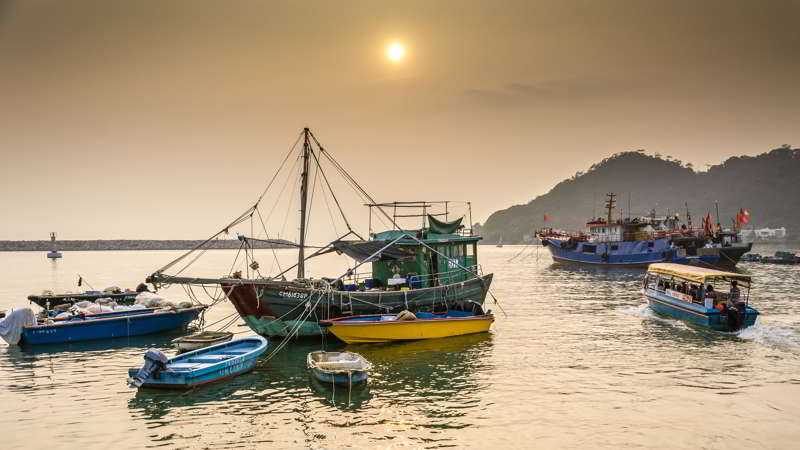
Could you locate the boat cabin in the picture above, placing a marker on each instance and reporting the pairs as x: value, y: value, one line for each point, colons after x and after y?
x: 445, y: 258
x: 600, y: 230
x: 713, y: 289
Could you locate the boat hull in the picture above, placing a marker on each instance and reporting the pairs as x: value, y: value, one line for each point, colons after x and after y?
x: 210, y: 373
x: 107, y: 326
x: 697, y: 314
x: 341, y: 379
x: 201, y: 340
x: 634, y: 254
x: 282, y: 308
x: 353, y: 332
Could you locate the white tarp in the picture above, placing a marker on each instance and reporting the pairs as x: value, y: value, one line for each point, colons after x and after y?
x: 11, y: 326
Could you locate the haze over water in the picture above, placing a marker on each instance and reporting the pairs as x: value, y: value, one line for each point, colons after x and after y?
x: 578, y: 361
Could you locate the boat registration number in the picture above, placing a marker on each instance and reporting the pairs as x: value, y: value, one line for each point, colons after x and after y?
x: 292, y: 294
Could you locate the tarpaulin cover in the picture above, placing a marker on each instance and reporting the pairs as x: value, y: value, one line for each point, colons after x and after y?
x: 438, y: 227
x: 361, y: 250
x: 11, y: 326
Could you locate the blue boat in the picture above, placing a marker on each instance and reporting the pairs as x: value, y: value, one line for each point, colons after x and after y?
x: 198, y: 367
x: 343, y: 368
x: 642, y: 241
x: 698, y: 295
x: 109, y: 325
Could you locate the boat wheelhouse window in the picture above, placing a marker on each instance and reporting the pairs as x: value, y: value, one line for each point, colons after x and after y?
x: 589, y: 248
x: 614, y: 247
x: 650, y: 244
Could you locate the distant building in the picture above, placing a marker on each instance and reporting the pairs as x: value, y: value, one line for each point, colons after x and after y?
x: 762, y: 234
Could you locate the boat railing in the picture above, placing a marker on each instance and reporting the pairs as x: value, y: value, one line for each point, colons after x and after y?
x: 626, y: 236
x: 445, y: 277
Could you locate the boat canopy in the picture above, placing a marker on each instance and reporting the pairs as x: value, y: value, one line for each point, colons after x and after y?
x: 439, y: 227
x: 696, y: 274
x: 362, y: 250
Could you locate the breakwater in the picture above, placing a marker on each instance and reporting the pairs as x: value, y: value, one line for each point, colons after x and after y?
x: 131, y: 244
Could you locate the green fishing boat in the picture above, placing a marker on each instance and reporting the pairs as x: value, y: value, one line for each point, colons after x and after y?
x: 431, y: 267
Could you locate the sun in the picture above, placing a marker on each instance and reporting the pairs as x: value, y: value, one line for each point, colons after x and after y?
x: 395, y: 52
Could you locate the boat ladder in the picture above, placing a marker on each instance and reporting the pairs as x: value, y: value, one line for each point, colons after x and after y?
x: 346, y: 304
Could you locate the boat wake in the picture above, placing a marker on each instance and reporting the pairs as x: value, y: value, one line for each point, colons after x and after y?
x: 642, y: 312
x: 782, y: 338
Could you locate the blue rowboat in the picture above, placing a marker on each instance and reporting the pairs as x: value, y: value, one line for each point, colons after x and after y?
x: 343, y: 368
x: 109, y: 325
x: 200, y: 366
x: 698, y: 295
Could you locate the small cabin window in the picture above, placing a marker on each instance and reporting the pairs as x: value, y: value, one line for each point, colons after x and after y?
x: 650, y: 244
x: 589, y: 248
x: 614, y: 247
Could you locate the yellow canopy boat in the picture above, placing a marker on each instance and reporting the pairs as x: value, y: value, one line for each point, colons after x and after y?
x: 406, y: 326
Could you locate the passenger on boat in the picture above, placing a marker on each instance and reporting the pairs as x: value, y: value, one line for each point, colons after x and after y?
x: 734, y: 297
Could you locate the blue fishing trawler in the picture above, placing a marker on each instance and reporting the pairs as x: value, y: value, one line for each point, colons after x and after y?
x: 109, y: 325
x: 706, y: 297
x: 642, y: 241
x: 621, y: 243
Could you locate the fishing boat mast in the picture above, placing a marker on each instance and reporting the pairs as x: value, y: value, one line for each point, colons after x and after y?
x: 610, y: 203
x: 301, y: 260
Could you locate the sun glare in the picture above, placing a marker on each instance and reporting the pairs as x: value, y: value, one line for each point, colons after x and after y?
x: 395, y: 52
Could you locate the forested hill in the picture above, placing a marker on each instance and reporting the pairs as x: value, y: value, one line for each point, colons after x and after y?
x: 768, y: 185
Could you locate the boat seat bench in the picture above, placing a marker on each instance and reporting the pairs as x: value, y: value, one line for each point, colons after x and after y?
x: 209, y: 359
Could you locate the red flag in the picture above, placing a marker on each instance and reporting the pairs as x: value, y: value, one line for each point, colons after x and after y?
x: 546, y: 218
x: 743, y: 216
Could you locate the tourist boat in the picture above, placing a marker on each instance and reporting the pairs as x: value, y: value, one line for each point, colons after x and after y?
x: 698, y: 295
x: 109, y: 325
x: 343, y: 368
x: 198, y: 367
x: 200, y: 340
x: 432, y: 267
x: 392, y: 327
x: 49, y: 300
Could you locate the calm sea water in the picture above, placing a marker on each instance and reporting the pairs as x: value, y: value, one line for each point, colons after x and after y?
x: 577, y: 360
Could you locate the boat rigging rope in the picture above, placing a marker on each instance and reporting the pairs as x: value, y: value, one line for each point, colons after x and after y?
x: 520, y: 253
x: 293, y: 331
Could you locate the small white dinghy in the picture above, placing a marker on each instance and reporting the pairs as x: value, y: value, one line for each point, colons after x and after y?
x: 201, y: 340
x: 344, y: 368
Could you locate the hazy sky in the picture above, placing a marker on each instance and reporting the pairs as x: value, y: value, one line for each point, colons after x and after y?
x: 164, y: 119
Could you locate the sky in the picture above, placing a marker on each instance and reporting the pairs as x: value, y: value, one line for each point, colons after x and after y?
x: 165, y: 119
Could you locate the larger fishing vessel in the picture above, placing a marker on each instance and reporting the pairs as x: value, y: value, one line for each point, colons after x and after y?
x: 431, y: 267
x: 642, y: 241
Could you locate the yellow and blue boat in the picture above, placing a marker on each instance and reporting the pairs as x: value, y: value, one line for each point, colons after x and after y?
x: 711, y: 298
x: 394, y: 327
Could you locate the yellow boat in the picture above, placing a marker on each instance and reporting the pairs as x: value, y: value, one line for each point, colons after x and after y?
x: 391, y: 327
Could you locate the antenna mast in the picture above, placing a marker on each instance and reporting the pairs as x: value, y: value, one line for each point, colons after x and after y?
x: 301, y: 266
x: 610, y: 203
x: 688, y: 215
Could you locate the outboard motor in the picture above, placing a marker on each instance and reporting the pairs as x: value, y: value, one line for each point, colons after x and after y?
x: 142, y: 288
x: 154, y: 361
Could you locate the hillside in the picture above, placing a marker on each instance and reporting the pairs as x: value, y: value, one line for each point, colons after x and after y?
x: 768, y: 185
